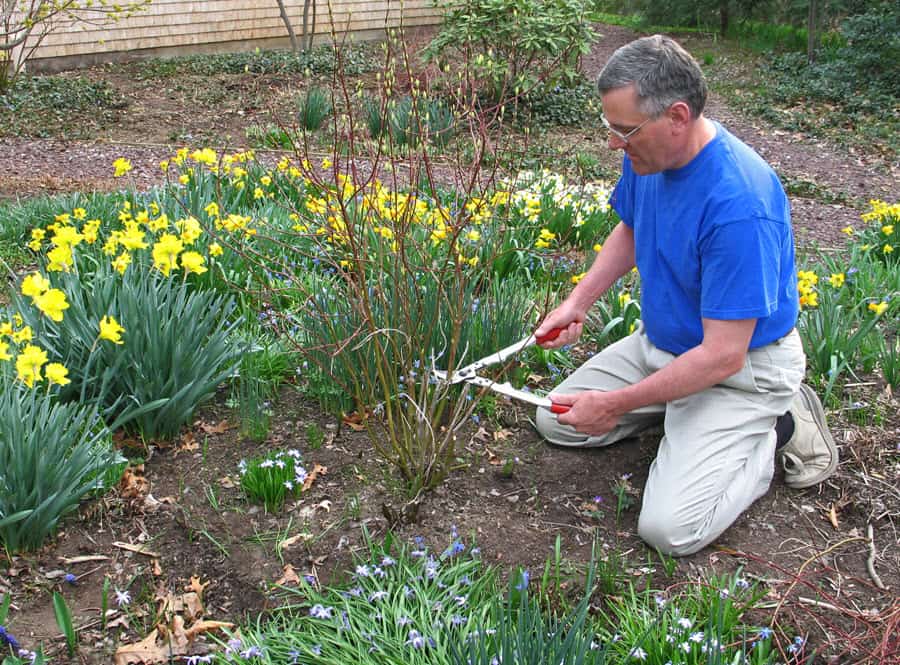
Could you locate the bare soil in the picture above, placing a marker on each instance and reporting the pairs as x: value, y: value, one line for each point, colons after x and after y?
x: 182, y: 515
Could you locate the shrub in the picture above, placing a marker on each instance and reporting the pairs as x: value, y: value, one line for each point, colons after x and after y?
x: 52, y: 455
x: 512, y: 44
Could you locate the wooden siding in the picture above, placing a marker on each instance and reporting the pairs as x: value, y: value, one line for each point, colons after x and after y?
x: 177, y: 26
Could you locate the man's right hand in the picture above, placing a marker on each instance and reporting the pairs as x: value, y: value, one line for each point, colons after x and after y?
x: 568, y: 318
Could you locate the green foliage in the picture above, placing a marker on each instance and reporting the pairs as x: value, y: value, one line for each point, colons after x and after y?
x: 177, y: 345
x: 52, y: 456
x: 512, y: 44
x: 321, y: 61
x: 413, y: 120
x: 64, y: 621
x: 269, y: 136
x: 523, y: 632
x: 400, y: 605
x: 564, y: 105
x: 272, y: 478
x: 252, y: 395
x: 39, y: 106
x: 315, y: 106
x: 375, y: 116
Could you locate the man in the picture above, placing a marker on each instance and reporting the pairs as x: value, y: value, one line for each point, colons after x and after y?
x: 716, y: 357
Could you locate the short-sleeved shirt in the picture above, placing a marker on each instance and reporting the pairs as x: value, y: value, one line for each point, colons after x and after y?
x: 713, y: 240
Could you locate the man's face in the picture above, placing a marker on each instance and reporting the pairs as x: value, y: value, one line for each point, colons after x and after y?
x: 643, y: 139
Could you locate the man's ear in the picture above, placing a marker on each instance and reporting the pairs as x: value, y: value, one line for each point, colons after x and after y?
x: 679, y: 115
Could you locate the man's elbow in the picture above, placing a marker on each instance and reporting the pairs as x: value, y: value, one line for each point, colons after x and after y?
x: 731, y: 361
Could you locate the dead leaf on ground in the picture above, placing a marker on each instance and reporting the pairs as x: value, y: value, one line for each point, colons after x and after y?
x: 502, y: 435
x: 137, y: 549
x: 481, y: 435
x: 355, y: 421
x: 318, y: 470
x: 228, y: 482
x: 290, y: 577
x: 492, y: 457
x: 187, y: 443
x: 133, y: 484
x: 219, y: 428
x: 197, y: 586
x: 293, y: 540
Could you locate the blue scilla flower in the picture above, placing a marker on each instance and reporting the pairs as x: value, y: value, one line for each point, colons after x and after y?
x: 523, y: 582
x: 6, y: 638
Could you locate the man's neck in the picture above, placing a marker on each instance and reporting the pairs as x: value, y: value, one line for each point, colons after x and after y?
x: 702, y: 131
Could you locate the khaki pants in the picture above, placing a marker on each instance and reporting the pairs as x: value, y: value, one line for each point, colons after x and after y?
x: 718, y: 452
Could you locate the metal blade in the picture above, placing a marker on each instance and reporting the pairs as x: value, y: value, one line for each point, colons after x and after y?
x: 509, y: 391
x: 464, y: 373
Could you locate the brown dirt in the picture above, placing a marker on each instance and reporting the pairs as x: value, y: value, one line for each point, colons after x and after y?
x: 803, y: 545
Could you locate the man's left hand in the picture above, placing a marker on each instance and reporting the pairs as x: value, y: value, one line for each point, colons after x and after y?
x: 593, y: 412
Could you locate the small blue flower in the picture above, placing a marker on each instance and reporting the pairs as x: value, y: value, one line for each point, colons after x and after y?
x: 6, y: 638
x: 523, y: 583
x: 70, y: 579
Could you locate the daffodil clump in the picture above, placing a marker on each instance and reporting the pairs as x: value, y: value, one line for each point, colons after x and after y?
x: 879, y: 236
x: 18, y: 343
x: 848, y: 301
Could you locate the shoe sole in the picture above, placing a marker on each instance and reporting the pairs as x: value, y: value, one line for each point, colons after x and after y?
x: 814, y: 406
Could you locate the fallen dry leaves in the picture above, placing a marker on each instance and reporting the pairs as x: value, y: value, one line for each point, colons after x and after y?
x: 175, y: 636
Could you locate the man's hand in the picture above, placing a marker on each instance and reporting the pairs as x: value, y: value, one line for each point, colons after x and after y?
x: 593, y: 412
x: 568, y: 318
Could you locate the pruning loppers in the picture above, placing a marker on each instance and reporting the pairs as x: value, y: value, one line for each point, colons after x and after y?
x: 469, y: 373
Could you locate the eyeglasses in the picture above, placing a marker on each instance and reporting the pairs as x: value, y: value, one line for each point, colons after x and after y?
x: 622, y: 136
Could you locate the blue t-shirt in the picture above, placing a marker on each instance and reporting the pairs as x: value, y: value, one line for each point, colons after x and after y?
x: 713, y: 240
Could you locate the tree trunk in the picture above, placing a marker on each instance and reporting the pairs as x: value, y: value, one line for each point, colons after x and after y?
x: 287, y: 24
x: 723, y: 17
x: 312, y: 29
x: 811, y: 32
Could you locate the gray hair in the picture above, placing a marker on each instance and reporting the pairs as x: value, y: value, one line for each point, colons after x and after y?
x: 662, y: 73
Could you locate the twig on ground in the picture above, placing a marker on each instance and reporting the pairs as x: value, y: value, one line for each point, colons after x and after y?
x: 870, y: 561
x: 828, y: 550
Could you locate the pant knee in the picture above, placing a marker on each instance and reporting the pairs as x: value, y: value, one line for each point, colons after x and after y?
x: 661, y: 530
x: 561, y: 435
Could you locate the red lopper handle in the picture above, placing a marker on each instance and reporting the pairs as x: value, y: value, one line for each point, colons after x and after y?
x: 550, y: 336
x: 559, y: 408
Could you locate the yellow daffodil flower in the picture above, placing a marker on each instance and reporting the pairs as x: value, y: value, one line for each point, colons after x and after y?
x: 879, y: 308
x: 79, y: 213
x: 887, y: 229
x: 57, y: 373
x: 192, y: 262
x: 215, y: 249
x: 887, y: 249
x: 24, y: 334
x: 165, y: 253
x: 111, y: 330
x: 34, y: 285
x: 29, y: 363
x: 52, y: 303
x: 4, y: 351
x: 121, y: 166
x: 60, y: 258
x: 577, y: 278
x: 121, y: 262
x: 184, y: 178
x: 327, y: 163
x: 837, y: 279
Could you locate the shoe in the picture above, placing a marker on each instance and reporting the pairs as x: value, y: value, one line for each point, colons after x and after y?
x: 810, y: 456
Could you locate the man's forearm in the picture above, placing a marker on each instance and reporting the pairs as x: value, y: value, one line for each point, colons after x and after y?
x: 614, y: 260
x: 722, y: 354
